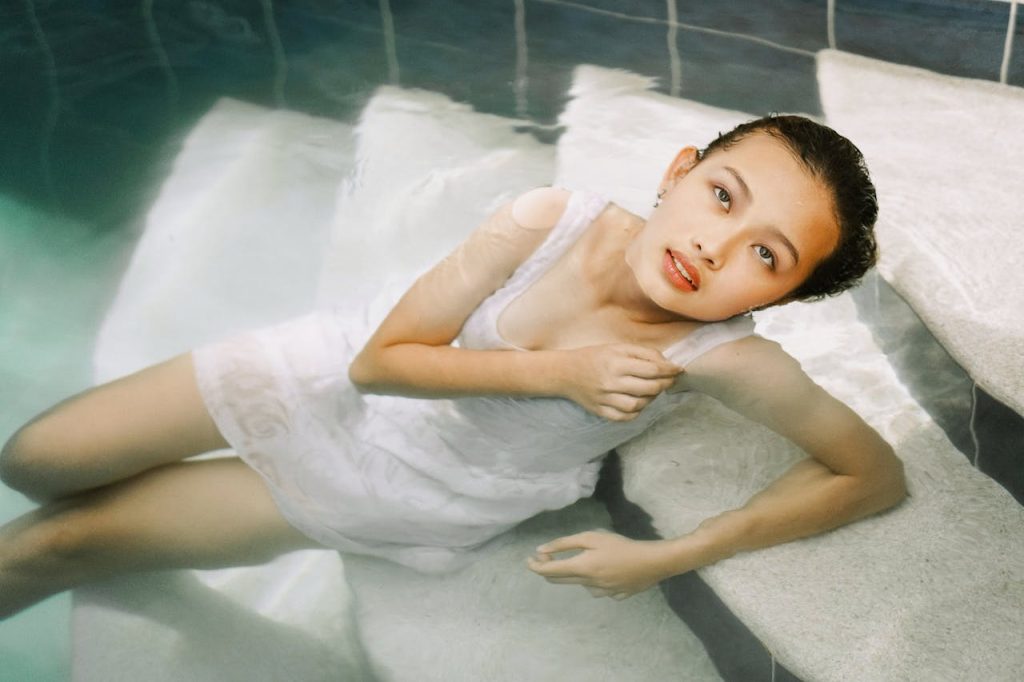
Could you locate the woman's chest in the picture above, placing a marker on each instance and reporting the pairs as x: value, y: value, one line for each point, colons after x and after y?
x: 559, y: 311
x: 564, y: 298
x: 554, y: 313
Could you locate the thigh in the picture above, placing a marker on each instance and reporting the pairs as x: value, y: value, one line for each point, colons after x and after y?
x: 109, y: 432
x: 206, y: 514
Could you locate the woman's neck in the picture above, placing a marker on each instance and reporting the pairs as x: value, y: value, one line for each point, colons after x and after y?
x: 612, y: 284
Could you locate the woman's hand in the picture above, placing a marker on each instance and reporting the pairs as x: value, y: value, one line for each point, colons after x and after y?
x: 617, y: 381
x: 610, y: 564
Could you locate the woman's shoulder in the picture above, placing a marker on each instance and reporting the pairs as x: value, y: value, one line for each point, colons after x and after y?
x: 737, y: 353
x: 702, y: 338
x: 743, y: 366
x: 540, y: 208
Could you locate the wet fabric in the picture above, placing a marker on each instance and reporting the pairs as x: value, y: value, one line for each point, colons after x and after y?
x: 419, y: 481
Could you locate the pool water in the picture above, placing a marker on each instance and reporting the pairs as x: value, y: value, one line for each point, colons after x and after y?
x: 96, y: 98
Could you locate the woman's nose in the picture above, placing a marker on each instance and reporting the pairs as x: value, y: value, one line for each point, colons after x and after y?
x: 708, y: 250
x: 714, y: 244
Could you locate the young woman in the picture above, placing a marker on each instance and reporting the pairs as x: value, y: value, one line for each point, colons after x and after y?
x: 577, y: 325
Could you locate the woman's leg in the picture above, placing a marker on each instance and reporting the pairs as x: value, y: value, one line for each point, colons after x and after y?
x: 111, y: 432
x: 109, y: 458
x: 206, y: 514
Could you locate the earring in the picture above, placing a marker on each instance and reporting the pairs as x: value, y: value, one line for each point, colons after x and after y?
x: 657, y: 202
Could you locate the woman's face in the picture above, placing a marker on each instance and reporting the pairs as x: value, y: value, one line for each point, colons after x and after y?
x: 739, y: 230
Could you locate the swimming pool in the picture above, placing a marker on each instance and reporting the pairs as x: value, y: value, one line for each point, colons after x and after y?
x: 98, y: 97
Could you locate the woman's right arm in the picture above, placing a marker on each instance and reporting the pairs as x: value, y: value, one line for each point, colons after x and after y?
x: 411, y: 354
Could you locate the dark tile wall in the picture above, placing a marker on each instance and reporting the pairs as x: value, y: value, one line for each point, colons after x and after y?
x: 999, y: 451
x: 561, y: 37
x: 89, y: 102
x: 797, y: 24
x: 627, y: 8
x: 958, y: 37
x: 717, y: 66
x: 1016, y: 63
x: 480, y: 47
x: 729, y: 72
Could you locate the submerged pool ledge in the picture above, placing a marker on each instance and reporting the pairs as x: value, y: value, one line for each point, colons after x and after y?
x: 930, y: 589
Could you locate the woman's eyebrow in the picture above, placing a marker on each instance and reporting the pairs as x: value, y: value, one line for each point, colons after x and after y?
x: 777, y: 233
x: 745, y: 190
x: 742, y: 183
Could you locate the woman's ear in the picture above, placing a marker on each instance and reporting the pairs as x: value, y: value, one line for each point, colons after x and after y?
x: 684, y: 162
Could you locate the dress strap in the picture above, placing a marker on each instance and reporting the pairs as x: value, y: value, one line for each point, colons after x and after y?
x: 709, y: 336
x: 580, y: 210
x: 480, y: 330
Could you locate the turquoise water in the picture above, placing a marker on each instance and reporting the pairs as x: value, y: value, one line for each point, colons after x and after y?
x: 58, y: 276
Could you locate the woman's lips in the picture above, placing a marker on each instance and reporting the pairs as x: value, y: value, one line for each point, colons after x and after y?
x: 686, y: 278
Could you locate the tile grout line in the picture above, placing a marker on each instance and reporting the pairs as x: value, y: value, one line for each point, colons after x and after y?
x: 1004, y: 69
x: 522, y: 81
x: 685, y: 27
x: 974, y: 417
x: 161, y: 54
x: 277, y: 49
x: 388, y: 24
x: 53, y: 113
x: 831, y: 10
x: 674, y: 63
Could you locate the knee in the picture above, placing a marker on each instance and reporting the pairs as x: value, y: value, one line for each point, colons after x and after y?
x: 59, y: 542
x: 22, y: 462
x: 12, y: 467
x: 49, y: 550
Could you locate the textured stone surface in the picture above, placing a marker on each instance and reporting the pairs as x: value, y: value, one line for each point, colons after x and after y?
x: 496, y: 620
x: 931, y: 590
x: 944, y: 153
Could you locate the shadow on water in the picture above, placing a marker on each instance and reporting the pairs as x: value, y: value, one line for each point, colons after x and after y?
x: 211, y: 631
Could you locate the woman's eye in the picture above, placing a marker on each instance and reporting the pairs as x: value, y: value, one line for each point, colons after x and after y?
x: 723, y: 196
x: 766, y: 255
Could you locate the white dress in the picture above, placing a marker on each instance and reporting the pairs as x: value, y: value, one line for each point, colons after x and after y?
x: 421, y: 482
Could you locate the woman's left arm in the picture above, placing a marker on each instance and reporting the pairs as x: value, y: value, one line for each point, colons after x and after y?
x: 851, y: 473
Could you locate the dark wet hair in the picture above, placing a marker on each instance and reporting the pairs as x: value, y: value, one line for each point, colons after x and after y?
x: 834, y: 160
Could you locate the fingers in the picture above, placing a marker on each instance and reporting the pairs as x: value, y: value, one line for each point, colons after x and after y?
x: 625, y: 402
x: 623, y: 379
x: 561, y: 571
x: 644, y: 377
x: 565, y: 543
x: 615, y: 415
x: 567, y: 581
x: 564, y: 571
x: 568, y: 572
x: 621, y: 407
x: 648, y: 363
x: 635, y: 360
x: 602, y: 592
x: 642, y: 388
